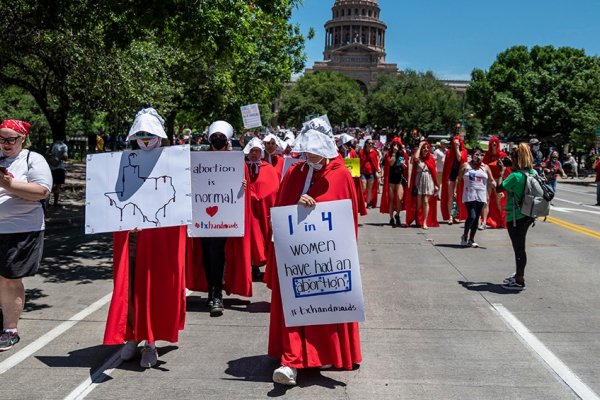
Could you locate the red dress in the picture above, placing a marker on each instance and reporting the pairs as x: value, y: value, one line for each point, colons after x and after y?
x: 410, y: 201
x: 238, y: 269
x: 317, y: 345
x: 262, y: 188
x: 384, y: 207
x: 450, y: 157
x: 159, y: 286
x: 369, y: 164
x: 277, y: 163
x: 496, y: 217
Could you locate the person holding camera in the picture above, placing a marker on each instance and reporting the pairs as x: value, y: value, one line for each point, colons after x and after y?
x: 395, y: 171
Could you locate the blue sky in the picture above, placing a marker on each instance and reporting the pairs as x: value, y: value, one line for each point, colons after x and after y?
x: 451, y: 38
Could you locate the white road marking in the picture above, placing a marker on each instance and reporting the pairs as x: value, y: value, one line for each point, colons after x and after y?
x: 560, y: 368
x: 46, y: 338
x: 569, y: 210
x: 577, y: 203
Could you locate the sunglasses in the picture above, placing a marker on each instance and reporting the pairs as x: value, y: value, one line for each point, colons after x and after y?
x: 9, y: 140
x: 369, y: 143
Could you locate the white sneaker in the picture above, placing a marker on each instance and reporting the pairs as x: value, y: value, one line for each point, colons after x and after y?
x: 471, y: 243
x: 509, y: 278
x: 463, y: 241
x: 129, y: 350
x: 285, y: 375
x: 149, y: 357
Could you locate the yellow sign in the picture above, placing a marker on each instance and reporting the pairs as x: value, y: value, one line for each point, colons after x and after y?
x: 353, y: 165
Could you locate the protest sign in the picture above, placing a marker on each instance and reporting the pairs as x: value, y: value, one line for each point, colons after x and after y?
x: 353, y: 165
x: 317, y: 263
x: 137, y: 189
x: 287, y: 163
x: 251, y: 116
x: 217, y: 194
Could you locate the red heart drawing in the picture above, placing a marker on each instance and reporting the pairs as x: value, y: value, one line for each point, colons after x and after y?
x: 197, y: 225
x: 212, y: 210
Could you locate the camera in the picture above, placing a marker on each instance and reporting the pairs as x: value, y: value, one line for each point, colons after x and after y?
x: 506, y: 161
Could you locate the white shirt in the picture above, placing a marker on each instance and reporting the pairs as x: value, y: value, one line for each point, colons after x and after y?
x: 440, y: 157
x: 17, y: 214
x: 475, y: 184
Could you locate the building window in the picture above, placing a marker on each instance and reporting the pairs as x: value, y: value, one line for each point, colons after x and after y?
x: 370, y: 13
x: 342, y: 12
x: 364, y: 12
x: 356, y: 11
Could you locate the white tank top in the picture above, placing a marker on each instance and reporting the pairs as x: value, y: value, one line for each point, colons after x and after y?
x: 475, y: 184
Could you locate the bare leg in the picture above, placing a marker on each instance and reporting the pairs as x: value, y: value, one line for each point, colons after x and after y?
x: 369, y: 190
x: 425, y: 201
x: 363, y: 184
x: 12, y: 301
x: 392, y: 200
x: 451, y: 186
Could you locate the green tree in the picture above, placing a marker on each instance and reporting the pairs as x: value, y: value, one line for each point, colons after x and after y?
x: 414, y: 100
x: 544, y: 92
x: 320, y: 93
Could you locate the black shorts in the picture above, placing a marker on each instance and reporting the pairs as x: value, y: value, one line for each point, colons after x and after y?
x: 20, y: 253
x: 58, y: 176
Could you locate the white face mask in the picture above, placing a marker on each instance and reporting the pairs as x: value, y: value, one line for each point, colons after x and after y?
x: 153, y: 143
x: 316, y: 166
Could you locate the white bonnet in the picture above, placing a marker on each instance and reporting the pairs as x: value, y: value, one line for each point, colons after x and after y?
x: 255, y: 142
x: 316, y: 137
x: 223, y: 127
x: 148, y: 120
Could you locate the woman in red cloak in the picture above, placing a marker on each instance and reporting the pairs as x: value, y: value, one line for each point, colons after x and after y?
x: 263, y: 186
x: 148, y: 301
x: 347, y: 151
x: 421, y: 203
x: 369, y: 172
x: 493, y: 214
x: 395, y: 181
x: 207, y: 256
x: 456, y: 156
x: 272, y: 148
x: 323, y: 177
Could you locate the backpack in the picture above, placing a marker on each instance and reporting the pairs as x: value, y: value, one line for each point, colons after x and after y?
x: 52, y: 158
x: 536, y: 197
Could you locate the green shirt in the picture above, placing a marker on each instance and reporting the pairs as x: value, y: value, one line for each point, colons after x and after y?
x: 514, y: 184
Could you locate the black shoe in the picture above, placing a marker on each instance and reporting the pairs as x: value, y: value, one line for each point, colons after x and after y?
x: 217, y: 307
x: 398, y: 220
x: 392, y: 223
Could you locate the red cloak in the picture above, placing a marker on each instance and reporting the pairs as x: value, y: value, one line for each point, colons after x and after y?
x: 384, y: 207
x: 362, y: 208
x: 159, y: 286
x: 317, y: 345
x: 238, y: 269
x: 369, y: 164
x: 277, y: 163
x: 450, y: 157
x: 496, y: 217
x: 262, y: 187
x: 410, y: 201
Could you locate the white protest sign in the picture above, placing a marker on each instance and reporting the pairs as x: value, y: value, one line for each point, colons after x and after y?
x: 138, y: 189
x: 287, y: 163
x: 251, y: 116
x: 383, y: 140
x: 317, y: 263
x: 217, y: 194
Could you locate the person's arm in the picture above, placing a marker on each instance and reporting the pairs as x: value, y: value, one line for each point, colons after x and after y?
x: 491, y: 180
x: 25, y: 190
x: 456, y: 149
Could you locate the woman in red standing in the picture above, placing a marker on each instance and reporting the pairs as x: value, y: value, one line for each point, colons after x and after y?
x: 346, y: 150
x: 323, y: 177
x: 457, y: 156
x: 369, y: 172
x: 493, y: 214
x: 395, y: 181
x: 421, y: 204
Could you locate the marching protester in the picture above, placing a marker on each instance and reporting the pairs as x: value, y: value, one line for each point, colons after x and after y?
x: 369, y: 172
x: 323, y: 177
x: 517, y: 224
x: 208, y: 256
x: 440, y: 157
x: 273, y: 151
x: 395, y: 181
x: 421, y: 204
x: 148, y: 301
x: 475, y: 176
x: 493, y: 211
x: 263, y: 186
x: 552, y: 167
x: 457, y: 155
x: 25, y: 181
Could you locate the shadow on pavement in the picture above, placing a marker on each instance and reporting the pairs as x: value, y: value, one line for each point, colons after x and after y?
x: 198, y: 304
x: 31, y: 295
x: 458, y: 246
x: 486, y: 287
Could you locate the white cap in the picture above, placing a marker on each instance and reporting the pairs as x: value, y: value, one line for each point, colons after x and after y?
x: 255, y: 142
x: 316, y: 137
x: 344, y: 138
x: 223, y: 127
x: 148, y: 120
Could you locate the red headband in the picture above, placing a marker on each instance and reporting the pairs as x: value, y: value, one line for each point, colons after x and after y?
x: 20, y: 127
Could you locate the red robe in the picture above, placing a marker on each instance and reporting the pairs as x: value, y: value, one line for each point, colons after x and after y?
x: 450, y: 157
x: 410, y: 201
x: 277, y: 163
x: 317, y: 345
x: 362, y: 208
x: 496, y: 217
x: 262, y: 187
x: 238, y: 269
x: 384, y: 207
x: 159, y: 286
x: 369, y: 164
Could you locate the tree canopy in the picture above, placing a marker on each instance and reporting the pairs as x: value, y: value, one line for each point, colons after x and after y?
x: 545, y: 92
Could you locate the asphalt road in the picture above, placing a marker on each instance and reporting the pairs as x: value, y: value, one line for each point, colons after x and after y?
x: 439, y: 325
